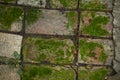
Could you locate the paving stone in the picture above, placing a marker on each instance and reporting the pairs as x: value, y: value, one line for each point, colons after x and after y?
x: 7, y: 73
x: 9, y: 43
x: 116, y: 66
x: 115, y: 77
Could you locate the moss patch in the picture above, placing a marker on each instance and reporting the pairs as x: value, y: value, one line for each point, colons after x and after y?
x: 87, y: 49
x: 72, y: 19
x: 98, y: 74
x: 47, y: 73
x: 89, y: 5
x: 32, y: 15
x: 95, y: 28
x: 8, y: 16
x: 52, y: 50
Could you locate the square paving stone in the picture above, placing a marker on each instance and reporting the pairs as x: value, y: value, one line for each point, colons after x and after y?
x: 48, y: 50
x: 10, y: 18
x: 52, y: 22
x: 96, y: 4
x: 10, y: 45
x: 8, y: 73
x: 96, y: 51
x: 46, y: 72
x: 96, y: 23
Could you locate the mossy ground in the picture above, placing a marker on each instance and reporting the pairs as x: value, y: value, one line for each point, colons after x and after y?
x: 44, y: 72
x: 92, y: 49
x: 32, y: 15
x: 94, y: 24
x: 72, y: 19
x: 97, y: 74
x: 8, y: 16
x: 51, y: 50
x: 98, y: 5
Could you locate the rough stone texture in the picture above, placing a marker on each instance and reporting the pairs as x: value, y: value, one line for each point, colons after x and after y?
x: 116, y: 66
x: 116, y: 12
x: 115, y: 77
x: 9, y: 43
x: 32, y: 2
x: 7, y: 73
x: 116, y: 36
x: 117, y: 43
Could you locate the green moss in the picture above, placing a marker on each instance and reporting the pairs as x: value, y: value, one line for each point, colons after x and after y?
x: 95, y: 26
x: 89, y: 5
x: 102, y: 57
x: 98, y: 74
x: 47, y: 73
x: 72, y: 16
x: 52, y: 50
x: 31, y: 72
x: 32, y: 15
x: 87, y: 48
x: 8, y: 16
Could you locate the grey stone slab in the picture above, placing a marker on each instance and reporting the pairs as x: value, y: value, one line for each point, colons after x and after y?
x: 9, y: 43
x: 116, y: 36
x: 116, y: 66
x: 7, y: 73
x: 116, y: 18
x: 115, y: 77
x: 117, y: 53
